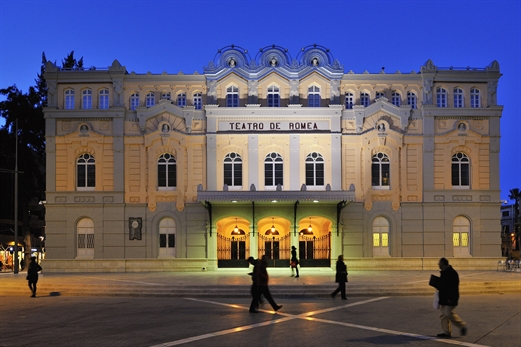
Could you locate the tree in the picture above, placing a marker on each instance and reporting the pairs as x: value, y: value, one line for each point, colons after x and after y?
x: 515, y: 195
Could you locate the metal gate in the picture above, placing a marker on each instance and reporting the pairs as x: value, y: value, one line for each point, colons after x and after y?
x: 233, y: 251
x: 315, y: 251
x: 277, y: 248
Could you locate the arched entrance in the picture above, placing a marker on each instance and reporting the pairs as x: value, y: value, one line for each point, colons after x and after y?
x: 275, y: 241
x: 314, y: 242
x: 233, y: 243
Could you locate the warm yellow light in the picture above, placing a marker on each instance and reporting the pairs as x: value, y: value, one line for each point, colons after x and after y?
x: 310, y: 228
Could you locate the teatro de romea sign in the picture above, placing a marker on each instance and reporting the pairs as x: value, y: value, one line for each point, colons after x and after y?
x: 274, y: 126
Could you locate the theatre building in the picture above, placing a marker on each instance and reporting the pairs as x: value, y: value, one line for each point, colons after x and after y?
x: 177, y: 172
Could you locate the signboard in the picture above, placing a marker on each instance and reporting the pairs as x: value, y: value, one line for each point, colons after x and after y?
x: 251, y: 126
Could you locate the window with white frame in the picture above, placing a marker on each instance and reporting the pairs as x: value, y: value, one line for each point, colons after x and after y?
x: 134, y: 101
x: 364, y: 99
x: 86, y: 99
x: 460, y: 170
x: 411, y: 99
x: 458, y: 97
x: 475, y: 98
x: 85, y: 234
x: 103, y: 103
x: 461, y: 236
x: 380, y: 171
x: 396, y: 99
x: 181, y: 99
x: 380, y: 237
x: 441, y: 97
x: 273, y: 96
x: 198, y: 101
x: 167, y: 231
x: 314, y: 169
x: 273, y: 170
x: 166, y: 172
x: 232, y: 96
x: 69, y: 99
x: 314, y: 96
x: 350, y: 101
x: 166, y: 96
x: 379, y: 95
x: 233, y: 170
x: 150, y: 99
x: 85, y: 172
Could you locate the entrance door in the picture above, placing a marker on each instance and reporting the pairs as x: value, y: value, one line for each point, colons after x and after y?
x: 272, y: 249
x: 167, y: 238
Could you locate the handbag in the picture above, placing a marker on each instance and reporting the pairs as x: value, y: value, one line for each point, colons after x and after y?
x: 436, y: 300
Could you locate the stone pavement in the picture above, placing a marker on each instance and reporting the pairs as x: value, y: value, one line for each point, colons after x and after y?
x: 313, y: 282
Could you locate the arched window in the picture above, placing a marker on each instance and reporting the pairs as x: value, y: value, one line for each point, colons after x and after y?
x: 233, y: 170
x: 181, y: 99
x: 380, y: 171
x: 396, y: 99
x: 198, y: 101
x: 103, y: 103
x: 167, y: 229
x: 441, y: 97
x: 273, y: 96
x: 273, y: 170
x: 166, y: 172
x: 314, y: 96
x: 85, y: 235
x: 166, y: 96
x: 314, y: 170
x: 232, y: 96
x: 379, y: 95
x: 460, y: 170
x: 69, y: 99
x: 85, y: 172
x: 150, y: 99
x: 134, y: 101
x: 458, y: 97
x: 475, y: 98
x: 364, y: 99
x: 380, y: 237
x: 461, y: 236
x: 86, y: 100
x: 349, y: 100
x: 411, y: 99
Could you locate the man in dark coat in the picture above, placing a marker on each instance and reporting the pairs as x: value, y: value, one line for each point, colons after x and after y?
x: 448, y: 287
x: 32, y: 275
x: 261, y: 279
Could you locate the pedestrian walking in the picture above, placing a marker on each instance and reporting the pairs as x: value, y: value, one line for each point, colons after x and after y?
x: 340, y: 278
x: 253, y: 289
x: 294, y: 261
x: 32, y: 275
x: 261, y: 278
x: 448, y: 287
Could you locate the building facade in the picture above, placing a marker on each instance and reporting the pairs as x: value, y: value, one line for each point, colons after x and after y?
x: 161, y: 172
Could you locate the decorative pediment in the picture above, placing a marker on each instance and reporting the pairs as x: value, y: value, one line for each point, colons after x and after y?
x: 401, y: 114
x: 183, y: 115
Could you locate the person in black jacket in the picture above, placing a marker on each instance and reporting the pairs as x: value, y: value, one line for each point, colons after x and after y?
x: 448, y: 287
x: 340, y: 278
x: 32, y: 275
x: 294, y: 260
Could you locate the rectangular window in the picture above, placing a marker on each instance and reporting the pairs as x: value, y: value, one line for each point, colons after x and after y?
x: 172, y: 175
x: 376, y: 240
x: 464, y: 239
x: 385, y: 240
x: 81, y: 179
x: 171, y: 240
x: 103, y: 101
x: 310, y: 175
x: 161, y: 175
x: 232, y: 100
x: 279, y: 174
x: 237, y: 175
x: 228, y: 174
x: 91, y: 176
x: 465, y: 175
x: 162, y: 240
x: 455, y: 240
x: 81, y: 240
x: 375, y: 175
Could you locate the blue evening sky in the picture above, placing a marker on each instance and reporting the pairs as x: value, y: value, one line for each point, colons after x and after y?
x: 175, y: 36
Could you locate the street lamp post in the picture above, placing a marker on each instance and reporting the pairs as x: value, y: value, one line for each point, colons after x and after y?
x: 15, y: 265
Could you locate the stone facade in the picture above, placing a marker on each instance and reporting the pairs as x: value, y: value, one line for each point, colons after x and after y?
x: 258, y: 154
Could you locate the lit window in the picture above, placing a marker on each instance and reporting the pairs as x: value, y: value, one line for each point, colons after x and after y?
x: 349, y: 101
x: 364, y: 99
x: 134, y: 101
x: 273, y: 97
x: 396, y: 99
x: 313, y: 96
x: 380, y: 170
x: 460, y: 170
x: 475, y: 99
x: 150, y: 99
x: 181, y: 99
x: 198, y: 101
x: 461, y: 236
x: 166, y: 171
x: 441, y: 97
x: 85, y: 172
x: 458, y: 97
x: 104, y: 99
x: 380, y: 236
x: 314, y: 169
x: 273, y: 170
x: 86, y: 100
x: 232, y: 96
x: 233, y: 170
x: 69, y: 99
x: 411, y: 99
